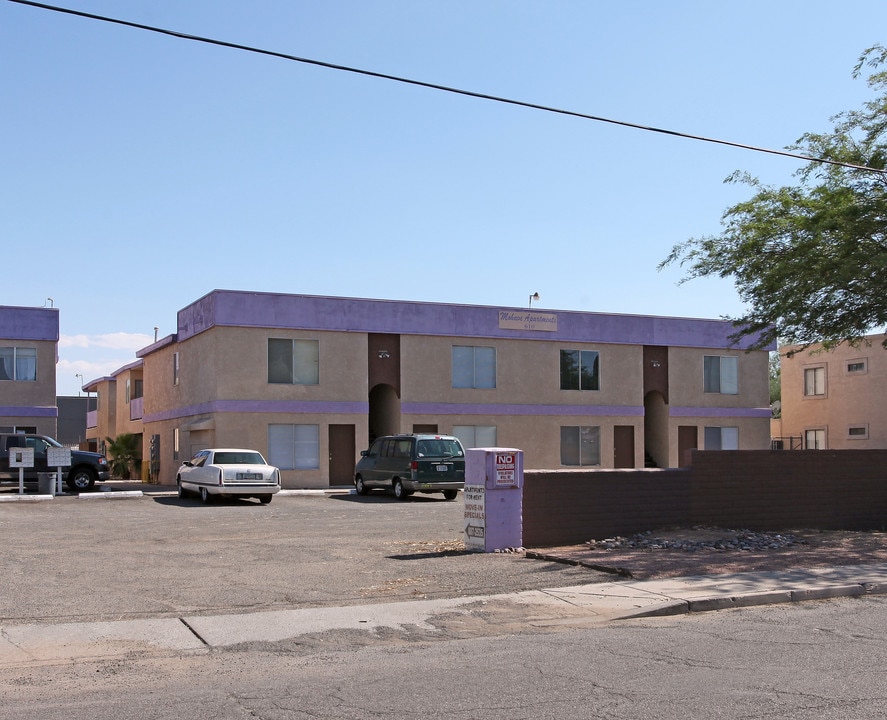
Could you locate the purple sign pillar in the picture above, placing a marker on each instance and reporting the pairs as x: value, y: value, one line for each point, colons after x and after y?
x: 494, y: 490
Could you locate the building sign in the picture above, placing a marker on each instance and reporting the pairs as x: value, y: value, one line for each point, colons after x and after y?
x: 527, y: 320
x: 475, y: 517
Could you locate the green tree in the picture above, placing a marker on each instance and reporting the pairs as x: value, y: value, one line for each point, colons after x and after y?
x: 126, y: 452
x: 810, y: 261
x: 775, y: 373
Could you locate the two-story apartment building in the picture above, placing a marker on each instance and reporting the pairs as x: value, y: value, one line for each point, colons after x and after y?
x: 28, y: 354
x: 119, y: 402
x: 834, y: 399
x: 309, y: 381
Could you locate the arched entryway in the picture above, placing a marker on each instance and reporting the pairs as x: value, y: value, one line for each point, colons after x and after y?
x: 655, y: 430
x: 384, y: 416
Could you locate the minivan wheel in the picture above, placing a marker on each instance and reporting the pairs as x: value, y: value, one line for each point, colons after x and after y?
x: 450, y: 494
x: 359, y: 487
x: 399, y: 491
x: 265, y: 499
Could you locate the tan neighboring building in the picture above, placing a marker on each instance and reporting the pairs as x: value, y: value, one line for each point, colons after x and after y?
x: 309, y: 381
x: 28, y: 354
x: 834, y: 399
x: 119, y: 403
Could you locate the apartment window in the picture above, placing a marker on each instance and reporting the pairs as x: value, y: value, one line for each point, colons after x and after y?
x: 294, y: 447
x: 857, y: 367
x: 138, y: 389
x: 293, y: 362
x: 814, y: 381
x: 474, y: 436
x: 474, y: 367
x: 858, y: 432
x: 814, y: 439
x: 175, y: 443
x: 175, y: 368
x: 580, y: 445
x: 128, y: 392
x: 580, y: 370
x: 722, y: 438
x: 721, y: 374
x: 18, y: 363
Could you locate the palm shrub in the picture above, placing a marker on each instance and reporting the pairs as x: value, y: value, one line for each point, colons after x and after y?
x: 125, y: 452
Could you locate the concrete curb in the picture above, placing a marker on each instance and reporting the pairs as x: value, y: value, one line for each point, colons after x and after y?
x: 25, y: 498
x: 580, y: 605
x: 110, y: 495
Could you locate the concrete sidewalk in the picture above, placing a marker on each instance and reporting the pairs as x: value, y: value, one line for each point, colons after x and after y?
x: 585, y: 604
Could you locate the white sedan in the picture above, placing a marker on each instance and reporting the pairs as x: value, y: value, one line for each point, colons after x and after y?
x: 228, y: 471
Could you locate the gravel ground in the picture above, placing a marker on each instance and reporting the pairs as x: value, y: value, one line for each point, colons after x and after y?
x: 676, y: 552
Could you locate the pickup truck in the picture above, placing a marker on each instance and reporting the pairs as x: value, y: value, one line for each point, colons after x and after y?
x: 86, y: 467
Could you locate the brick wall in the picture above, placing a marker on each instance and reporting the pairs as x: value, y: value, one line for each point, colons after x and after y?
x: 754, y: 489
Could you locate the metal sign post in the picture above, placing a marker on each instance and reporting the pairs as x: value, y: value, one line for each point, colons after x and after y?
x: 58, y: 458
x: 21, y: 457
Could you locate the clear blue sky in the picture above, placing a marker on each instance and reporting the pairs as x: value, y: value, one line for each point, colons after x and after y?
x: 141, y: 171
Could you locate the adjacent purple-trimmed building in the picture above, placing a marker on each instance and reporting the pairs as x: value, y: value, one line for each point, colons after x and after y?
x: 28, y: 354
x: 311, y: 380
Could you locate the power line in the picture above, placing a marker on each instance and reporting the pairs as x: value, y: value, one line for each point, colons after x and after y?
x: 442, y: 88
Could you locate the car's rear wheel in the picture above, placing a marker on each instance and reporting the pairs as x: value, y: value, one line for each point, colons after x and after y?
x: 450, y: 494
x: 359, y: 487
x: 181, y: 490
x: 400, y: 492
x: 81, y: 479
x: 205, y: 497
x: 265, y: 499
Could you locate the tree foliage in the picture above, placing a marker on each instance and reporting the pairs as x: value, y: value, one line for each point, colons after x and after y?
x: 810, y: 261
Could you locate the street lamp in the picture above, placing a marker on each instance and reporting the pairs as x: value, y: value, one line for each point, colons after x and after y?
x: 78, y: 375
x: 534, y: 296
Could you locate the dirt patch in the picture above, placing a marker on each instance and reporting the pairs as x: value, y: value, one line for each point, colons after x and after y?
x: 715, y: 551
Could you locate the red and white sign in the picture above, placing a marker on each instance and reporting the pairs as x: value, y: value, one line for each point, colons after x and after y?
x: 505, y: 467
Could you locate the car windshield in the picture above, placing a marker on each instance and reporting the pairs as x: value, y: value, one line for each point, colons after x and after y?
x: 439, y: 447
x: 238, y: 458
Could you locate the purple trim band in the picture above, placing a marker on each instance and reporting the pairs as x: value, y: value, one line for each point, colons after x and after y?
x: 720, y: 412
x: 529, y: 410
x: 29, y: 411
x: 261, y: 406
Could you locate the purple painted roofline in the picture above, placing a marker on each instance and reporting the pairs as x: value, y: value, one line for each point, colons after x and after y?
x: 311, y: 312
x: 26, y: 323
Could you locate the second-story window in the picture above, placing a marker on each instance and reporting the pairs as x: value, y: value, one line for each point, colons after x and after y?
x: 175, y: 368
x: 580, y: 370
x: 293, y: 362
x: 814, y: 381
x: 721, y: 374
x: 18, y: 363
x: 474, y: 367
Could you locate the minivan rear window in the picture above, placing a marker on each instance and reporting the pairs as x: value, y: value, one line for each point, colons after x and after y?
x: 439, y: 447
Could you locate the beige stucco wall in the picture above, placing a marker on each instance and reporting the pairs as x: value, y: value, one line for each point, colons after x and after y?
x: 686, y: 375
x: 527, y: 372
x: 851, y: 399
x: 230, y: 364
x: 40, y: 393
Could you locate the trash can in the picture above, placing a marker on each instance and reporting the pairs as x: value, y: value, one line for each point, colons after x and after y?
x: 46, y: 483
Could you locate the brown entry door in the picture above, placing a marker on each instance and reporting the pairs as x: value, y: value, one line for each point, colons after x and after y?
x: 623, y: 446
x: 341, y: 454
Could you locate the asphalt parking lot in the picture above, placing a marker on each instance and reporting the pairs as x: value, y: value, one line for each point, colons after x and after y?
x: 72, y: 559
